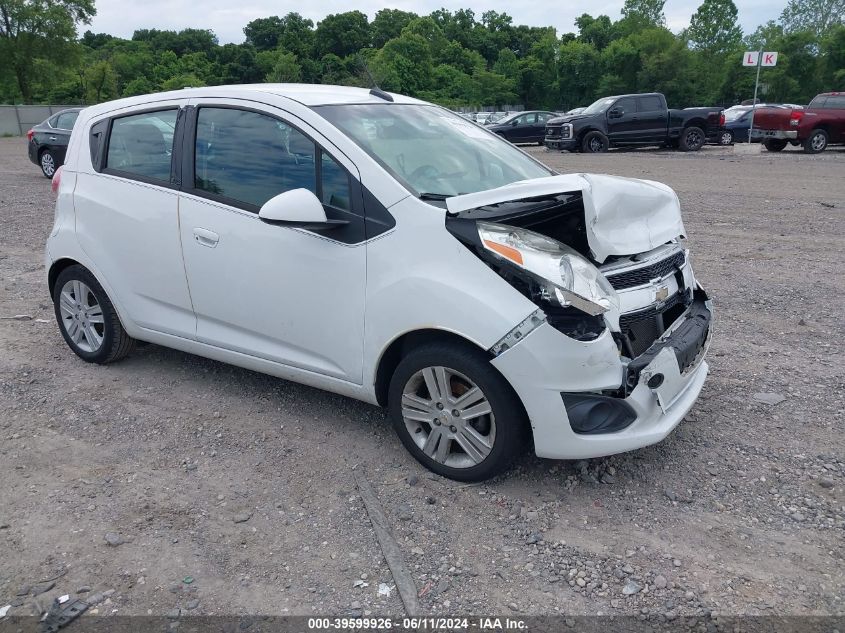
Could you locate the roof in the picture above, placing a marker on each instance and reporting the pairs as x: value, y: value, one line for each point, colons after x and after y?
x: 306, y: 94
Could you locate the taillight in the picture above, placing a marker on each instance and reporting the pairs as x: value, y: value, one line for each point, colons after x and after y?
x: 29, y: 135
x: 57, y: 179
x: 722, y: 119
x: 795, y: 117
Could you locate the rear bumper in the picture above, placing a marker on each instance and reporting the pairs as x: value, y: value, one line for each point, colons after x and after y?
x: 762, y: 135
x: 547, y: 365
x: 32, y: 150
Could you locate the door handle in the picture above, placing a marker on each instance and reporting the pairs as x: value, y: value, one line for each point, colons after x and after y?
x: 206, y: 237
x: 52, y: 138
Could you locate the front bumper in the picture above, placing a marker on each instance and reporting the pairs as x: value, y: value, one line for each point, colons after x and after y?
x: 547, y: 364
x: 560, y: 144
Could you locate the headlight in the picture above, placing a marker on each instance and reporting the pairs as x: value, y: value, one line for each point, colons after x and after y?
x: 566, y: 278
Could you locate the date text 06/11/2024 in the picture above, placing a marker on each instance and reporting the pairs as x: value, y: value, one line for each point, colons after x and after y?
x: 416, y: 624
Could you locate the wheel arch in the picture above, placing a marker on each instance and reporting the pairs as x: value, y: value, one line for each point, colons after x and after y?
x: 399, y: 347
x: 58, y: 266
x: 699, y: 123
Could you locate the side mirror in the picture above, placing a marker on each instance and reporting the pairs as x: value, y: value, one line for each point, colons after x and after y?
x: 615, y: 113
x: 515, y: 122
x: 298, y: 208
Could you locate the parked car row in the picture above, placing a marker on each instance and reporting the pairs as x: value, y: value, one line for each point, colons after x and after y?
x: 631, y: 120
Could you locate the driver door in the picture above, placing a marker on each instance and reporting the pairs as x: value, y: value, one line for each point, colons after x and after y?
x: 288, y: 295
x: 622, y: 120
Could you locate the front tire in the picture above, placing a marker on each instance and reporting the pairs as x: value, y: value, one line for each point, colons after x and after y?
x: 692, y: 139
x: 594, y: 142
x: 455, y: 413
x: 816, y: 142
x: 87, y: 319
x: 48, y: 163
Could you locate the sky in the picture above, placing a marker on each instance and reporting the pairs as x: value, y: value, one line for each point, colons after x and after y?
x: 227, y: 18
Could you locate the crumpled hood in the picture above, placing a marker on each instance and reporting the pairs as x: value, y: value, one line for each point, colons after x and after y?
x: 624, y: 216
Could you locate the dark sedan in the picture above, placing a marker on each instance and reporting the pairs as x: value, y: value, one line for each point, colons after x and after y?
x: 47, y: 141
x: 523, y: 127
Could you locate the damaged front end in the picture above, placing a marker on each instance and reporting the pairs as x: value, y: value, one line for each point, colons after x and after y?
x: 600, y: 258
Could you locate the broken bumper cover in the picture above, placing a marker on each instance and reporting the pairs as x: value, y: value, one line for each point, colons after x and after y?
x: 548, y: 368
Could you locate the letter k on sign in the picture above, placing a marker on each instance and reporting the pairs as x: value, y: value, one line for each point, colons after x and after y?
x: 770, y: 59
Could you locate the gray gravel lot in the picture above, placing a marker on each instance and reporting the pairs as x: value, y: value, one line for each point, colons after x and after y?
x: 176, y: 482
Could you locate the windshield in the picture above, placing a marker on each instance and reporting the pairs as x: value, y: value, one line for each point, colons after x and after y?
x: 431, y: 150
x: 599, y: 106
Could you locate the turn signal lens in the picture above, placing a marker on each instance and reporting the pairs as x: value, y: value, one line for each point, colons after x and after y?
x: 505, y: 251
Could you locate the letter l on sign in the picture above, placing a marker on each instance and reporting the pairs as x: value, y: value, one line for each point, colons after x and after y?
x: 750, y: 58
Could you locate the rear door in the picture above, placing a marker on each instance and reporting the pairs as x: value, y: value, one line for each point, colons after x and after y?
x: 288, y: 295
x: 652, y: 119
x: 835, y: 107
x: 127, y: 218
x: 622, y: 120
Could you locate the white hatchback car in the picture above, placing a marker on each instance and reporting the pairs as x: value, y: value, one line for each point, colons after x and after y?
x: 386, y: 249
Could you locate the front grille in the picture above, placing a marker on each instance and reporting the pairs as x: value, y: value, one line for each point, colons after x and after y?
x: 643, y: 327
x: 640, y: 276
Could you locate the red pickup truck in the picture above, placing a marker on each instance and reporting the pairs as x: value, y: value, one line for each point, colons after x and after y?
x: 817, y: 126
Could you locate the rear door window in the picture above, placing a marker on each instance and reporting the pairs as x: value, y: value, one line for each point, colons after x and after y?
x: 142, y: 145
x: 837, y: 102
x: 66, y: 120
x: 649, y: 104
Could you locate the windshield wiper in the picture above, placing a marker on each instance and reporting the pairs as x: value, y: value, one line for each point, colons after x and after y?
x: 434, y: 196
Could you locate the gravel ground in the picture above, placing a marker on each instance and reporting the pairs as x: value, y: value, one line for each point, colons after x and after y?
x: 169, y: 482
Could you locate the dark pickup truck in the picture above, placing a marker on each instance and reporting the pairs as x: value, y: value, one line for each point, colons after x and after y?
x: 640, y: 119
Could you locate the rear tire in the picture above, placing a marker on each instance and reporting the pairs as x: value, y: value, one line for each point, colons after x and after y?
x: 816, y: 142
x: 87, y: 319
x: 692, y: 139
x: 726, y: 138
x: 433, y: 383
x: 775, y: 144
x: 594, y: 142
x: 48, y: 163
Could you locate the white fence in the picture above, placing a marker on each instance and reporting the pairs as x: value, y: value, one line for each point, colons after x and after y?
x: 15, y: 120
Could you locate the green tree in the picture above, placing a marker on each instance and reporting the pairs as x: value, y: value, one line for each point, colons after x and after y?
x: 579, y: 70
x: 31, y: 29
x: 816, y: 16
x: 596, y: 31
x: 342, y: 34
x: 100, y: 82
x: 714, y: 28
x: 388, y: 24
x: 286, y: 69
x: 644, y: 12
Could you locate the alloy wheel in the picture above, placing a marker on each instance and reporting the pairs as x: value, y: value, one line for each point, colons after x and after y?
x: 48, y: 165
x: 82, y: 316
x: 596, y: 145
x: 694, y: 139
x: 818, y: 142
x: 448, y: 417
x: 726, y: 139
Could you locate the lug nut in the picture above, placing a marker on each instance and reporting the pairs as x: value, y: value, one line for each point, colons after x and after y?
x: 456, y: 413
x: 440, y: 406
x: 436, y: 422
x: 453, y: 429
